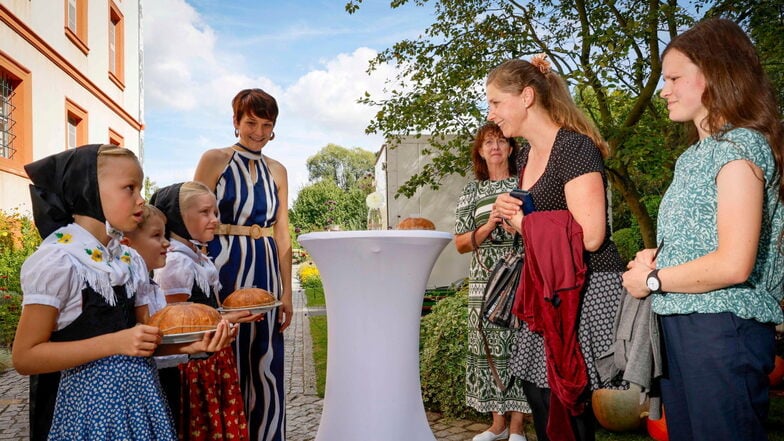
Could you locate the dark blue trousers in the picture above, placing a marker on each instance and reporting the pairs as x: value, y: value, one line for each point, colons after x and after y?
x: 716, y: 383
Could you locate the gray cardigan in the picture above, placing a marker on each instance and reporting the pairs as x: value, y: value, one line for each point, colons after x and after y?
x: 636, y: 351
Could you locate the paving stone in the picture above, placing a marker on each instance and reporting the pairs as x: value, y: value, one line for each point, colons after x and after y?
x: 303, y: 407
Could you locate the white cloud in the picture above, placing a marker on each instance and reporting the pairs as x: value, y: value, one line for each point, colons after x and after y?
x: 329, y: 95
x: 189, y: 84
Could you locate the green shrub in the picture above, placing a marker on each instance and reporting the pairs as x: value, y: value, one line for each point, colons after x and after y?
x: 10, y: 308
x: 444, y: 344
x: 18, y: 239
x: 628, y: 241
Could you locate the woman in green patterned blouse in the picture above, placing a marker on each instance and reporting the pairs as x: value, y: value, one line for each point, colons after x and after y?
x: 493, y: 158
x: 716, y: 281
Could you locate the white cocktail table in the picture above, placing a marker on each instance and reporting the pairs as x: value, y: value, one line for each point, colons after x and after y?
x: 374, y: 282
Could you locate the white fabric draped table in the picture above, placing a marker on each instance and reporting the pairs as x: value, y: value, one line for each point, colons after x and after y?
x: 374, y: 283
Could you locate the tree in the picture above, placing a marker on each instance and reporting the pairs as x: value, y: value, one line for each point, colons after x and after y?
x: 344, y: 166
x: 764, y: 20
x: 150, y: 187
x: 324, y: 203
x: 608, y: 51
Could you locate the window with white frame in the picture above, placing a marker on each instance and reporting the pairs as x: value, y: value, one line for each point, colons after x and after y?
x: 116, y: 45
x: 72, y: 18
x: 75, y: 125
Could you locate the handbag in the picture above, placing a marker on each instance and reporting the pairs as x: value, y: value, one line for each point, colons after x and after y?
x: 499, y: 298
x: 502, y: 281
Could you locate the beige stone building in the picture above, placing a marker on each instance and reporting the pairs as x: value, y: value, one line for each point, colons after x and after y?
x: 394, y: 166
x: 70, y: 74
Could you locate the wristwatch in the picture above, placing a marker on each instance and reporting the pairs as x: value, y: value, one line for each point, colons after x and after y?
x: 653, y: 282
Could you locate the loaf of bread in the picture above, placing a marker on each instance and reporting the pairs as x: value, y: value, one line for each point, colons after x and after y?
x: 416, y: 223
x: 248, y: 297
x: 182, y: 317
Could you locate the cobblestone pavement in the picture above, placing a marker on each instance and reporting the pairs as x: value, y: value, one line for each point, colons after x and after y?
x: 303, y: 405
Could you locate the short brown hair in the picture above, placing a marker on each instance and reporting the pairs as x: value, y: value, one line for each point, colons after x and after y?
x: 257, y: 102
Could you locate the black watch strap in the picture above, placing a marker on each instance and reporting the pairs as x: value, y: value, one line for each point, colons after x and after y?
x: 653, y: 276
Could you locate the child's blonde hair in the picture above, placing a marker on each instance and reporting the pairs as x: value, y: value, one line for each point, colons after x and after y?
x: 107, y: 151
x: 190, y: 190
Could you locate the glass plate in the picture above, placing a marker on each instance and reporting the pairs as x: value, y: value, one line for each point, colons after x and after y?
x: 253, y: 309
x: 185, y: 337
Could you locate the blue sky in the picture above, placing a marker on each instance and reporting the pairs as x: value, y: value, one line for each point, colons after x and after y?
x: 311, y: 55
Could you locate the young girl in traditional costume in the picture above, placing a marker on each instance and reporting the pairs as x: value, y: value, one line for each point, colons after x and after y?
x: 151, y: 244
x: 79, y: 290
x: 79, y: 296
x: 211, y: 405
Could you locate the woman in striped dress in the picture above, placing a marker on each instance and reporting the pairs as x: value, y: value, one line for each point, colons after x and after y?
x: 252, y: 248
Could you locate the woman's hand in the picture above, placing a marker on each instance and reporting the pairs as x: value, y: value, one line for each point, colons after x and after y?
x: 243, y: 316
x: 510, y: 212
x: 506, y: 206
x: 213, y: 341
x: 635, y: 279
x: 646, y: 257
x: 285, y: 312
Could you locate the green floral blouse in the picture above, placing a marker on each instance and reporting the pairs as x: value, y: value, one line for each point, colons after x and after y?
x: 688, y: 226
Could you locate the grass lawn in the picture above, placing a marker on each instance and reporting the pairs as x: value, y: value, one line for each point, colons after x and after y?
x: 314, y: 297
x: 318, y: 334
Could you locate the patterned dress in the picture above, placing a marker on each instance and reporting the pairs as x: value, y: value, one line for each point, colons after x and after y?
x: 246, y: 262
x: 473, y: 210
x: 208, y: 391
x: 573, y: 155
x: 94, y: 289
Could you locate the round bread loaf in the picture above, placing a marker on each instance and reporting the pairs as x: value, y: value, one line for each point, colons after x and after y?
x: 182, y: 317
x: 248, y: 297
x: 416, y: 223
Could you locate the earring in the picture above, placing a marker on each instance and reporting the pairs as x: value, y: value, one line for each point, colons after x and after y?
x: 236, y: 133
x: 272, y: 136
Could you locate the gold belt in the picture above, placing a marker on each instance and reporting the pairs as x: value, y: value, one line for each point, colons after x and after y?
x: 254, y: 231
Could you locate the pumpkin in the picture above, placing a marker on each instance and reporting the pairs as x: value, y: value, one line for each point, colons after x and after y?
x: 657, y: 429
x: 777, y: 374
x: 619, y: 410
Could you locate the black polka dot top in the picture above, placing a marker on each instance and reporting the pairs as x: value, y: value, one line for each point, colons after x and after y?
x: 573, y: 155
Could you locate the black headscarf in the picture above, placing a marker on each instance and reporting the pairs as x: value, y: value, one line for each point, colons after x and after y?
x: 65, y: 184
x: 167, y: 199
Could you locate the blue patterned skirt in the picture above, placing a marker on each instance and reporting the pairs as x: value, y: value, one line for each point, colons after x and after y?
x: 114, y: 398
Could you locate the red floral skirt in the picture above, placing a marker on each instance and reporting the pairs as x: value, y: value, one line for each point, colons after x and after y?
x: 211, y: 399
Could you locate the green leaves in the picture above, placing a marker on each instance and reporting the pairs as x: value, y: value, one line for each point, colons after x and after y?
x: 324, y: 203
x: 444, y: 340
x: 343, y: 166
x: 607, y: 51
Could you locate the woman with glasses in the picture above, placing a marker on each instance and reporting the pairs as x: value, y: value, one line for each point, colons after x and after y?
x: 478, y: 230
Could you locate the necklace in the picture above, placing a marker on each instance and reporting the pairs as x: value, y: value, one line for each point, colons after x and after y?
x: 247, y: 149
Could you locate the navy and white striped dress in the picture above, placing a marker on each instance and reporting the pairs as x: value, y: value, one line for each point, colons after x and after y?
x: 247, y: 199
